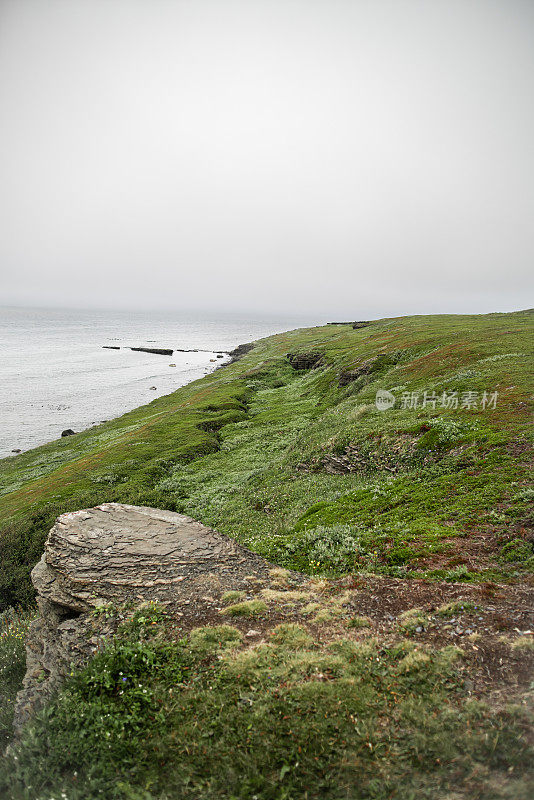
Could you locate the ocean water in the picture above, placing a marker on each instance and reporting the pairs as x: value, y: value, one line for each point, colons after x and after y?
x: 55, y: 374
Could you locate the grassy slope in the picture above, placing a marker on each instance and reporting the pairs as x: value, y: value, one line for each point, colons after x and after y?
x: 297, y: 716
x: 339, y: 705
x: 438, y: 493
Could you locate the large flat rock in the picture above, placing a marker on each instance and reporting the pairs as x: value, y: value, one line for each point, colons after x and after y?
x: 117, y: 552
x: 123, y: 556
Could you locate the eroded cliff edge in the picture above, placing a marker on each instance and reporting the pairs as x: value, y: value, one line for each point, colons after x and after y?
x: 121, y: 555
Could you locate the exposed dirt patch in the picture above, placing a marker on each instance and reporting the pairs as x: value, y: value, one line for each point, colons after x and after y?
x: 494, y: 618
x: 476, y: 550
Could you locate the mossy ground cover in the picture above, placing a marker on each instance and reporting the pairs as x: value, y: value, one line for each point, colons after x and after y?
x: 434, y: 492
x: 163, y: 714
x: 13, y: 629
x: 289, y: 691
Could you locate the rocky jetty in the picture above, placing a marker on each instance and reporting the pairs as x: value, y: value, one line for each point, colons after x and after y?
x: 160, y: 351
x: 123, y: 556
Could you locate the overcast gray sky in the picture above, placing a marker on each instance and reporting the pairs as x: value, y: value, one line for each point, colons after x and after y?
x: 352, y: 157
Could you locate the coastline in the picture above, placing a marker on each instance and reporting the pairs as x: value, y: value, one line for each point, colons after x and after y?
x: 75, y: 421
x: 232, y: 356
x: 65, y: 370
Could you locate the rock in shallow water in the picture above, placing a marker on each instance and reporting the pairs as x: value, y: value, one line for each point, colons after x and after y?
x: 160, y: 351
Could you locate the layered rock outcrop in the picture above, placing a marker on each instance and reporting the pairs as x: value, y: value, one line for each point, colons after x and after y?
x: 121, y: 555
x: 300, y: 361
x: 365, y: 368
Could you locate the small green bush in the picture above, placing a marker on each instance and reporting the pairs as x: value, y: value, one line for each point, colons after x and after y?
x: 412, y: 619
x: 249, y: 608
x: 291, y: 635
x: 358, y: 622
x: 400, y: 555
x: 517, y: 550
x: 211, y: 638
x: 456, y: 608
x: 444, y: 431
x: 14, y: 626
x: 232, y: 596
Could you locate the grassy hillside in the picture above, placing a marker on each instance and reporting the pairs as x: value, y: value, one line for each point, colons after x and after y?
x: 300, y: 465
x: 400, y: 669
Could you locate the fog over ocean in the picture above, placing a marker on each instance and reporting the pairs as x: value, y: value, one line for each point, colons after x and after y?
x: 55, y: 374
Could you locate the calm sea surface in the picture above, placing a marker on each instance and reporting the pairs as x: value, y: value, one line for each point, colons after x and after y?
x: 55, y: 374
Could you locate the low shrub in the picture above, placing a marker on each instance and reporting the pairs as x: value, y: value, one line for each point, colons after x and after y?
x: 14, y: 626
x: 517, y: 550
x: 292, y: 718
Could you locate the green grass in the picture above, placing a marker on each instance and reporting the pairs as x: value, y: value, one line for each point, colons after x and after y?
x: 13, y: 629
x: 413, y: 619
x: 455, y: 609
x: 248, y: 608
x: 203, y: 718
x: 243, y: 450
x: 247, y: 450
